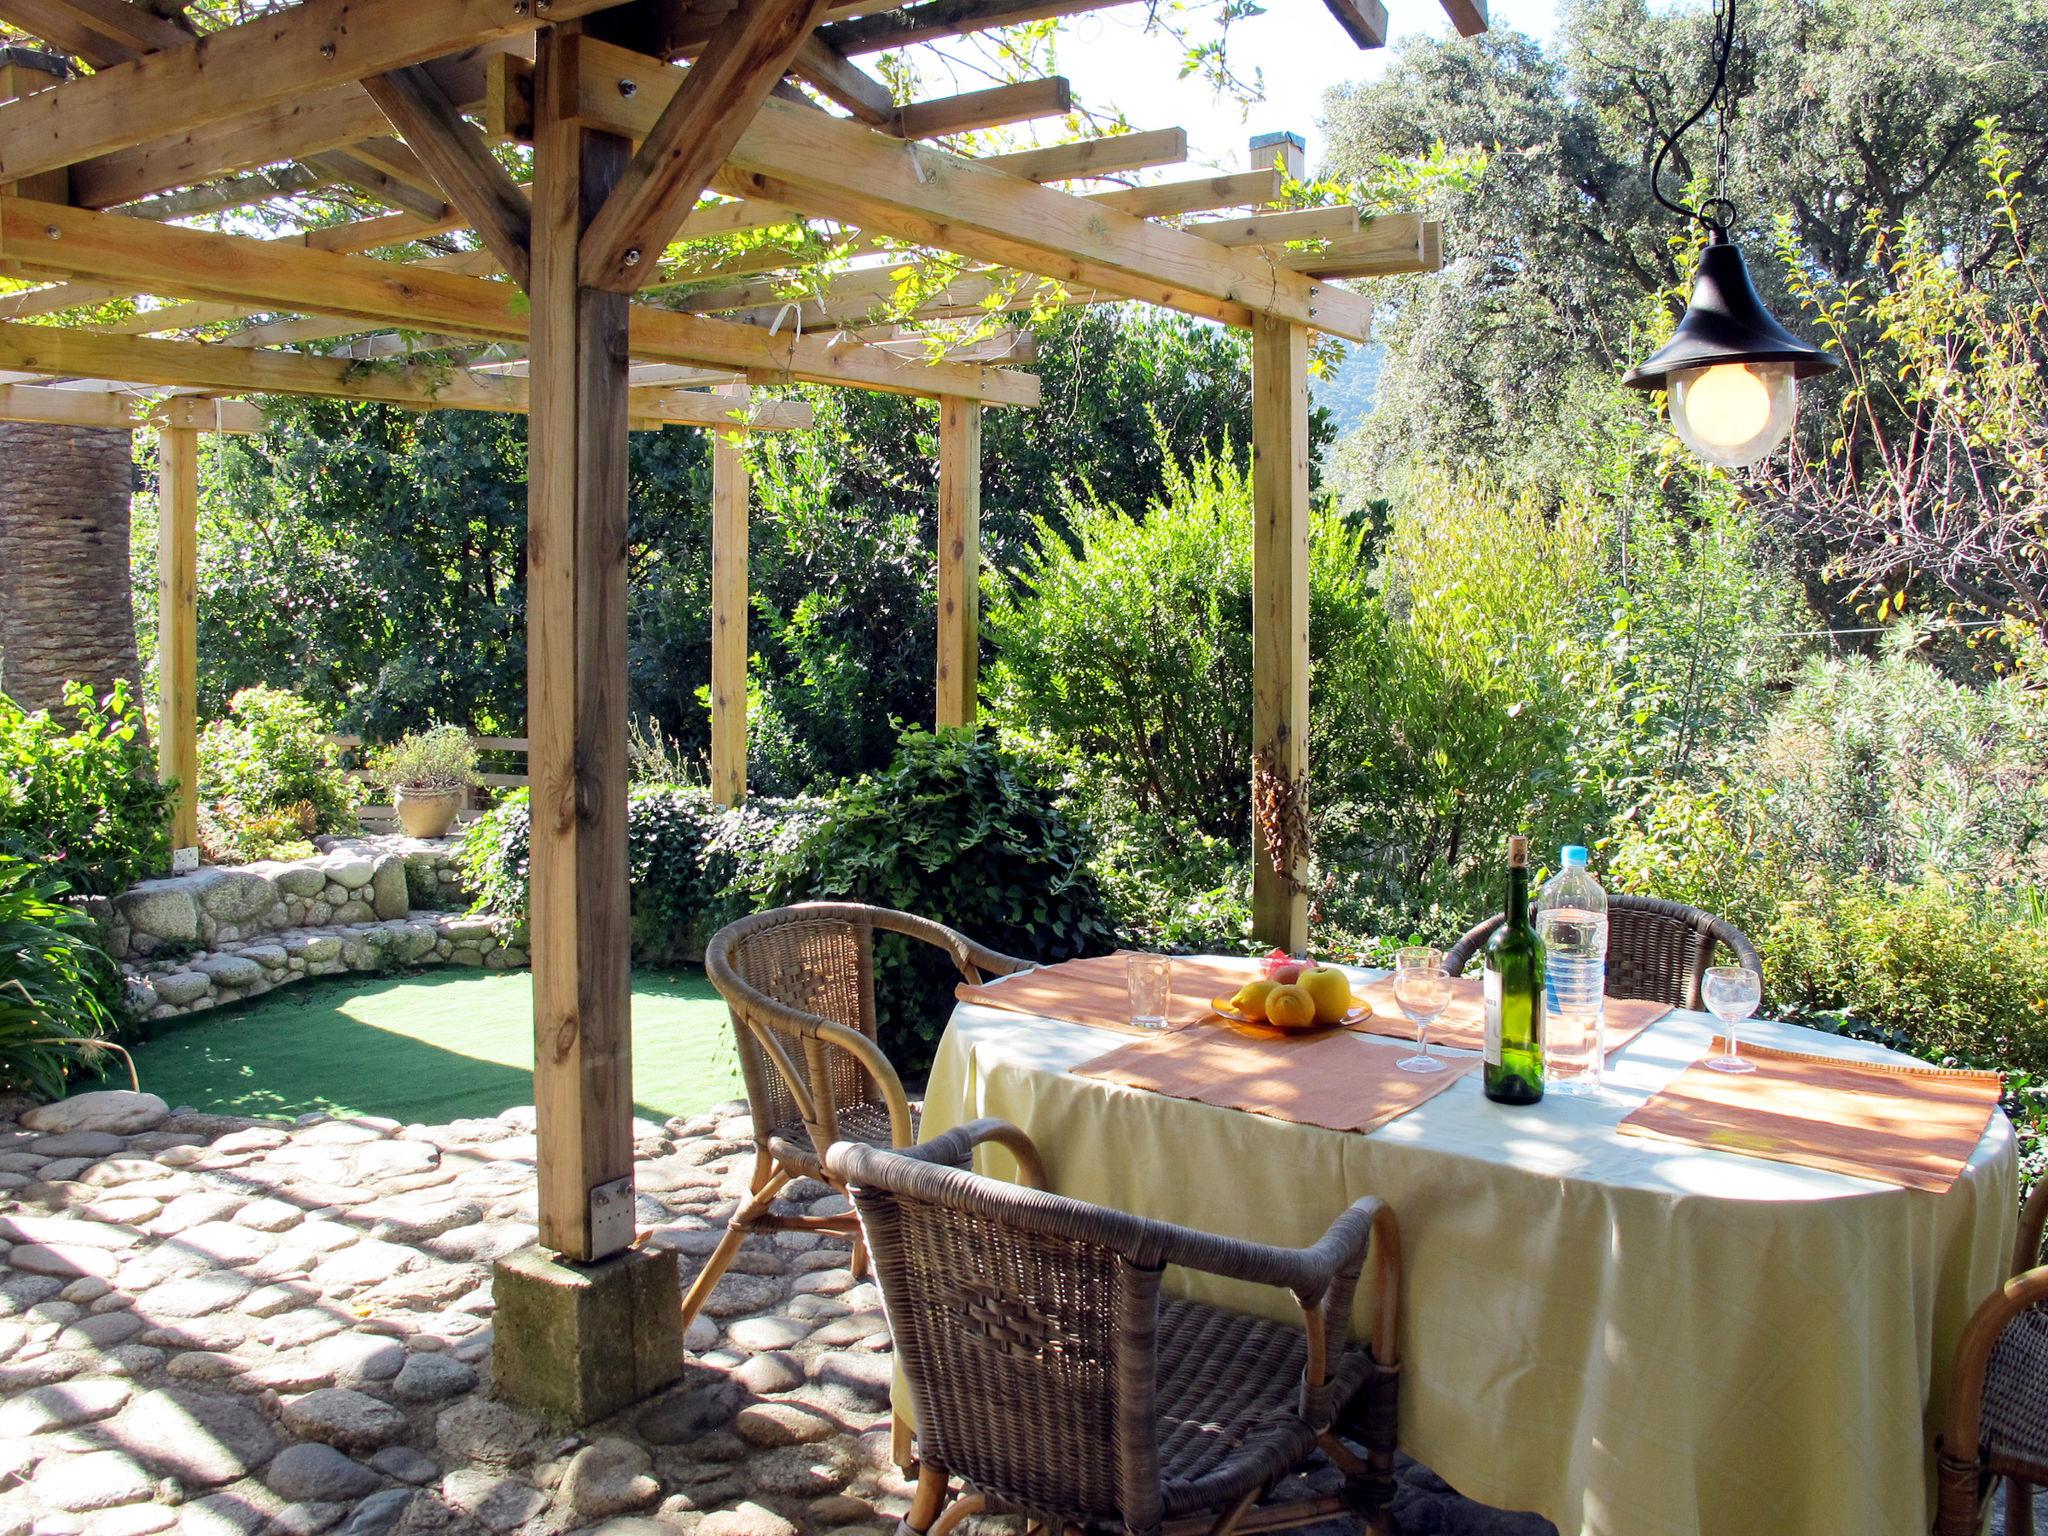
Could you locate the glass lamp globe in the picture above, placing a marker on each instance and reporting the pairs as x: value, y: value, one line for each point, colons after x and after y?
x: 1734, y: 414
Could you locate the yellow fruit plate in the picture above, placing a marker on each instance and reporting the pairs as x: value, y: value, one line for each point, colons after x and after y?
x: 1221, y: 1007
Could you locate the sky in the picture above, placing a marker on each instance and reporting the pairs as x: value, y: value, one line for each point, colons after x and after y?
x: 1296, y: 43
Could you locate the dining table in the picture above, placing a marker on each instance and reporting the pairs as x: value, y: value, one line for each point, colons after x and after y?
x: 1627, y: 1335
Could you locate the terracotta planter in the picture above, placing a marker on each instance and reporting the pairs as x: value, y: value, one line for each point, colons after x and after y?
x: 426, y: 812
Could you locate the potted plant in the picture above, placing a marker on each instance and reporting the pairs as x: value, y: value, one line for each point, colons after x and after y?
x: 427, y: 772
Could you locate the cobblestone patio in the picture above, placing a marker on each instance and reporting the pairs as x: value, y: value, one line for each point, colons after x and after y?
x: 226, y: 1327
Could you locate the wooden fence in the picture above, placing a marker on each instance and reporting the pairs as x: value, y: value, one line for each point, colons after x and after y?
x: 491, y: 787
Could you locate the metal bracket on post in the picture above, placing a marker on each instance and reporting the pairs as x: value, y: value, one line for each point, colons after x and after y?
x: 611, y: 1217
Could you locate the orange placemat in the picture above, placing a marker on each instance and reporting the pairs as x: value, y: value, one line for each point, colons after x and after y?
x: 1462, y: 1026
x: 1333, y: 1078
x: 1097, y: 990
x: 1910, y: 1126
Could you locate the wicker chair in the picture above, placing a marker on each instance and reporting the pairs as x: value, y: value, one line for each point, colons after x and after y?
x: 1656, y: 949
x: 1048, y: 1373
x: 800, y: 983
x: 1997, y: 1422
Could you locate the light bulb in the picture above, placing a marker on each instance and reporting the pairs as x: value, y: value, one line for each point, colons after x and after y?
x: 1733, y: 414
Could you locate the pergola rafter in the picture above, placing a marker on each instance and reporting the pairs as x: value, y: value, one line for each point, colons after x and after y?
x: 599, y: 299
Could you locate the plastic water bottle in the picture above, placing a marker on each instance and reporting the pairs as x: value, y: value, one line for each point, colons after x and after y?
x: 1571, y: 919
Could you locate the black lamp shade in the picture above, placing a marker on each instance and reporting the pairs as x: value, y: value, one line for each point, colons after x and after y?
x: 1725, y: 322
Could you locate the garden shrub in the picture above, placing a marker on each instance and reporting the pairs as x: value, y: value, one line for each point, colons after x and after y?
x: 693, y: 865
x: 59, y: 991
x: 961, y: 831
x: 269, y: 779
x: 79, y: 796
x: 955, y: 829
x: 1125, y: 642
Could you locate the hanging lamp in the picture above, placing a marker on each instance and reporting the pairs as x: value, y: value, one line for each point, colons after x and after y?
x: 1731, y: 370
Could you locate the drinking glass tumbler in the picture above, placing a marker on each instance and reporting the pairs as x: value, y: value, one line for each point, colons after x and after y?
x: 1151, y: 980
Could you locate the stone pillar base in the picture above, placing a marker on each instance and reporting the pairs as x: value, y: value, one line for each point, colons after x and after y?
x: 578, y: 1342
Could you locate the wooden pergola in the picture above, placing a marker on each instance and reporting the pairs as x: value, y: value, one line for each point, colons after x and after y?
x: 685, y: 156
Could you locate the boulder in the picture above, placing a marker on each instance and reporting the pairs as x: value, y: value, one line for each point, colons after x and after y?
x: 350, y: 871
x: 160, y: 909
x: 181, y: 987
x: 301, y: 880
x: 318, y: 1472
x: 198, y: 1437
x: 118, y: 1111
x: 388, y: 895
x: 234, y: 896
x: 96, y: 1480
x: 229, y: 970
x: 340, y: 1416
x: 609, y: 1478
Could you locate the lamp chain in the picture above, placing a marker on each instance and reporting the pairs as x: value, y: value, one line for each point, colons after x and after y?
x: 1717, y: 213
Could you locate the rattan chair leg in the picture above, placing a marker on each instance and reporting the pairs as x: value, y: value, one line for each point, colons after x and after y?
x: 1958, y: 1503
x: 903, y: 1446
x: 925, y: 1502
x: 962, y: 1508
x: 857, y: 1266
x: 2019, y: 1507
x: 1227, y: 1521
x: 736, y: 1230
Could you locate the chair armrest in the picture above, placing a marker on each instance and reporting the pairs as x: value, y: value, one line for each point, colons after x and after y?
x: 955, y: 1147
x: 2033, y: 1219
x: 973, y: 961
x: 878, y: 1067
x: 1963, y: 1431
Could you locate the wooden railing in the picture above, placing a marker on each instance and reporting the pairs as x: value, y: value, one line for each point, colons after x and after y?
x: 382, y: 818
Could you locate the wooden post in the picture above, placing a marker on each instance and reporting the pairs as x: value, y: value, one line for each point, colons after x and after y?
x: 1279, y: 620
x: 177, y: 626
x: 959, y: 669
x: 728, y: 616
x: 576, y: 688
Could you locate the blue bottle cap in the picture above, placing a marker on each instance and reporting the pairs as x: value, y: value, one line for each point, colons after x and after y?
x: 1574, y: 856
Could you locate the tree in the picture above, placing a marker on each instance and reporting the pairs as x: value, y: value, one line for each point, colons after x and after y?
x: 1933, y: 480
x: 66, y: 607
x: 1558, y: 260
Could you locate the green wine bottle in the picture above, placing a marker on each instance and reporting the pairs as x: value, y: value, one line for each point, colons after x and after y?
x: 1514, y: 994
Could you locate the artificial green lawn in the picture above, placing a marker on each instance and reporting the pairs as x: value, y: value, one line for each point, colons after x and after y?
x: 427, y: 1048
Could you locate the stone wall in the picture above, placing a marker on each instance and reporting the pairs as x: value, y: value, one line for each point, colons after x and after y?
x: 350, y: 882
x: 192, y: 942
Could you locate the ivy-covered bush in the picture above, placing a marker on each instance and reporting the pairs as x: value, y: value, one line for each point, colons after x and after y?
x: 269, y: 779
x: 955, y: 829
x: 693, y: 865
x: 958, y: 830
x: 59, y: 992
x: 79, y: 797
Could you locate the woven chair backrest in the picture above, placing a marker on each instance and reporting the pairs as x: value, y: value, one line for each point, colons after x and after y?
x: 1026, y: 1325
x: 1659, y: 953
x: 2016, y: 1397
x: 815, y: 963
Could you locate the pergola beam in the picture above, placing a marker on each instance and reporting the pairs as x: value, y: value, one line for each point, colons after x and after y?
x: 841, y: 170
x: 77, y: 408
x: 57, y: 353
x: 689, y: 139
x: 835, y: 76
x: 481, y: 189
x: 170, y: 156
x: 101, y: 32
x: 189, y: 263
x: 270, y: 61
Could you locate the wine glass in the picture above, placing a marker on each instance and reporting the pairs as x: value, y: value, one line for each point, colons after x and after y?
x: 1732, y: 994
x: 1424, y: 992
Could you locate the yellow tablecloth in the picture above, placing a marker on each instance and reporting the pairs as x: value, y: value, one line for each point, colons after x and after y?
x: 1632, y: 1338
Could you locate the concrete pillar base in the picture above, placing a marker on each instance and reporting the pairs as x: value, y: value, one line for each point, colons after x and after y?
x: 578, y: 1342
